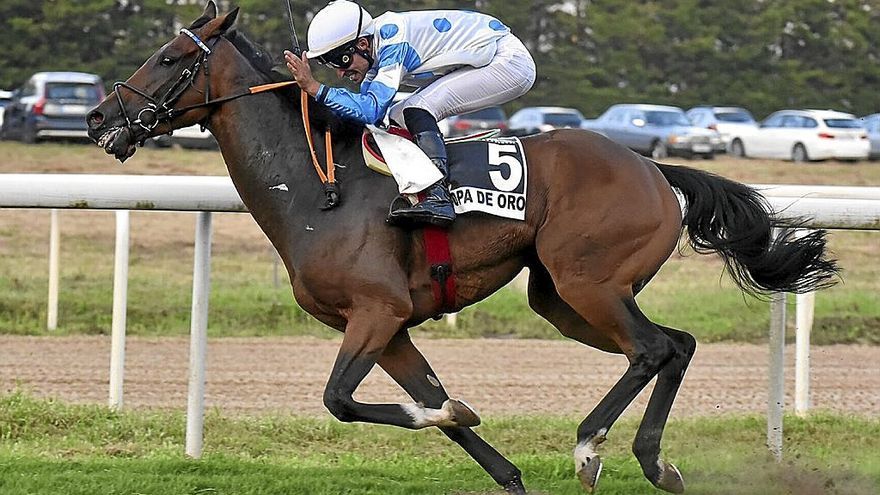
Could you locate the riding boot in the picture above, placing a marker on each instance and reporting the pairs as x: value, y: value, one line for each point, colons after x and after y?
x: 436, y: 207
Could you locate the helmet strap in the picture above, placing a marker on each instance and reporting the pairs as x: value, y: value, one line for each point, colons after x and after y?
x: 367, y: 54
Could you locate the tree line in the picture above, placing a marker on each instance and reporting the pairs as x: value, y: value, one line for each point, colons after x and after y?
x: 760, y: 54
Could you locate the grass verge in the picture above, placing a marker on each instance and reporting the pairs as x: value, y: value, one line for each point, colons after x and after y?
x: 51, y: 447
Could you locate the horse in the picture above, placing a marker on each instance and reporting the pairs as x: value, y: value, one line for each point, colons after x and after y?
x: 600, y: 222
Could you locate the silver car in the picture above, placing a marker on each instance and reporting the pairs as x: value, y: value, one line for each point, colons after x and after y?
x: 52, y: 105
x: 872, y: 125
x: 655, y: 130
x: 532, y: 120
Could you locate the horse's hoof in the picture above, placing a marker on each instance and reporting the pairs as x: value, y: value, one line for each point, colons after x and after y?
x: 515, y: 488
x: 670, y: 478
x: 461, y: 414
x: 589, y: 474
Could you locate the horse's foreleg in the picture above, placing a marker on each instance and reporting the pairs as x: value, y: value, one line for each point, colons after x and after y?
x: 409, y: 368
x: 366, y: 336
x: 646, y: 446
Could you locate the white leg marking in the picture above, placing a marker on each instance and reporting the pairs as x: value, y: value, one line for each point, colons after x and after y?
x: 587, y: 450
x: 280, y: 187
x: 445, y: 416
x: 423, y: 416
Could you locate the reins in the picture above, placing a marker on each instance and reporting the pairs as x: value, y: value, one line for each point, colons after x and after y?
x: 328, y: 180
x: 162, y: 110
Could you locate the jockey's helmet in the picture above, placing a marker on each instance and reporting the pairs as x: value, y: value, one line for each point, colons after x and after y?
x: 334, y: 31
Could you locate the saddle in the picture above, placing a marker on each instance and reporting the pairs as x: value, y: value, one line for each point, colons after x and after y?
x: 375, y: 159
x: 487, y: 173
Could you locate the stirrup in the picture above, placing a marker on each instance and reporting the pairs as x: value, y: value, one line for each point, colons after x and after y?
x: 402, y: 214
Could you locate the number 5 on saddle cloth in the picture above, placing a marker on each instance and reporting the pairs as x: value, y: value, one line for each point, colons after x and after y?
x: 486, y: 173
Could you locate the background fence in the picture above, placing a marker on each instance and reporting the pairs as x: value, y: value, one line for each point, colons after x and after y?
x: 829, y: 207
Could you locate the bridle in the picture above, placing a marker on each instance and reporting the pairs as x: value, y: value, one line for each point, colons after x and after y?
x: 162, y: 110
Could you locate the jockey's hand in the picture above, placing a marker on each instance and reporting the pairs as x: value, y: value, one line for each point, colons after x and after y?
x: 302, y: 72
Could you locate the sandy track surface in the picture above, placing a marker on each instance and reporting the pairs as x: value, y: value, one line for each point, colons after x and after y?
x: 498, y: 377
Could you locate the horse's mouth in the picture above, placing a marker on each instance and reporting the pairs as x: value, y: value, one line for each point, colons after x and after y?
x: 118, y: 142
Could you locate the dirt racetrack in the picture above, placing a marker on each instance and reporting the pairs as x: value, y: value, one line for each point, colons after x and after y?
x: 498, y: 377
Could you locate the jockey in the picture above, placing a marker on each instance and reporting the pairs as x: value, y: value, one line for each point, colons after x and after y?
x: 461, y: 61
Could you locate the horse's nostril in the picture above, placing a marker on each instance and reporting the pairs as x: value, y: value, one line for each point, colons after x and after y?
x: 95, y: 119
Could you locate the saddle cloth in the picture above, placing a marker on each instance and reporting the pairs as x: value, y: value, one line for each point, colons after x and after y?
x: 486, y: 173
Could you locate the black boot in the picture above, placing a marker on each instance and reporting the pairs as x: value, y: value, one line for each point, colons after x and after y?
x: 436, y: 208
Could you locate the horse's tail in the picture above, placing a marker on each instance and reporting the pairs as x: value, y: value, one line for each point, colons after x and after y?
x: 736, y: 221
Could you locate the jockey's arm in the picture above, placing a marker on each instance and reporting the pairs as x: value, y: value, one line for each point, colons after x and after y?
x: 369, y: 106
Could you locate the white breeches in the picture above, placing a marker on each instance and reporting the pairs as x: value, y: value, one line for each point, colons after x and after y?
x: 509, y: 75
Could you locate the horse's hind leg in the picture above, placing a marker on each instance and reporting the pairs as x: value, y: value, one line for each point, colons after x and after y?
x: 409, y: 368
x: 646, y: 446
x: 615, y: 324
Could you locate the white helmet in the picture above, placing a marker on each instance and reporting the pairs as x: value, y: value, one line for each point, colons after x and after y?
x: 339, y: 23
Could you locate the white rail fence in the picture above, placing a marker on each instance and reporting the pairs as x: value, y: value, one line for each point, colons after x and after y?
x: 829, y: 207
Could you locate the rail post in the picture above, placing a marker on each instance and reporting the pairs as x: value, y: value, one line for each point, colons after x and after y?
x: 195, y: 410
x: 776, y: 386
x: 54, y: 259
x: 804, y: 307
x: 120, y: 303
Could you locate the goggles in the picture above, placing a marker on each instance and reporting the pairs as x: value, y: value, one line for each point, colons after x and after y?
x: 342, y: 57
x: 339, y: 58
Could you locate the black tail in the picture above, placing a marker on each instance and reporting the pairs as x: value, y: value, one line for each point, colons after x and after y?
x: 736, y: 221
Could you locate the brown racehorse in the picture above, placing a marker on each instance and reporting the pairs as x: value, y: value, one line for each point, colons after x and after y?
x: 600, y: 222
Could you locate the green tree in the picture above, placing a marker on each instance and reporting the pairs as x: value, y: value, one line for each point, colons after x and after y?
x: 589, y: 53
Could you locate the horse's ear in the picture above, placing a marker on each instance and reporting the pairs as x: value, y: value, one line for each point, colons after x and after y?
x: 228, y: 21
x: 207, y: 16
x: 210, y: 10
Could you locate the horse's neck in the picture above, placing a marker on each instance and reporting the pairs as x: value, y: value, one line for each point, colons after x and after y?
x: 264, y: 145
x: 257, y: 130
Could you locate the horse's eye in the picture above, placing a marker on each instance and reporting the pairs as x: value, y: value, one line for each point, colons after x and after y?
x: 166, y: 61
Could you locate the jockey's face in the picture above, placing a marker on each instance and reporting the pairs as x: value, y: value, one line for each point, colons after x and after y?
x: 357, y: 71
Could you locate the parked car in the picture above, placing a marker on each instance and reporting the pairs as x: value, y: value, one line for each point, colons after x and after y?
x: 532, y: 120
x: 725, y: 120
x: 872, y: 126
x: 195, y: 137
x: 5, y: 99
x: 804, y: 135
x: 487, y: 118
x: 52, y: 105
x: 192, y: 137
x: 655, y: 130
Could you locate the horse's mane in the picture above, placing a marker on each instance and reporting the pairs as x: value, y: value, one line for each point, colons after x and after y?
x: 319, y: 115
x: 257, y: 56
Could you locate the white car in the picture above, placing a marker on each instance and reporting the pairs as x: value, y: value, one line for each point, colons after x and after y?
x: 804, y: 135
x: 5, y: 99
x: 727, y: 121
x: 193, y: 136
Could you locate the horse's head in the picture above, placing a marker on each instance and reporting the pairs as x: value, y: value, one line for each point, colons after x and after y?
x: 166, y: 93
